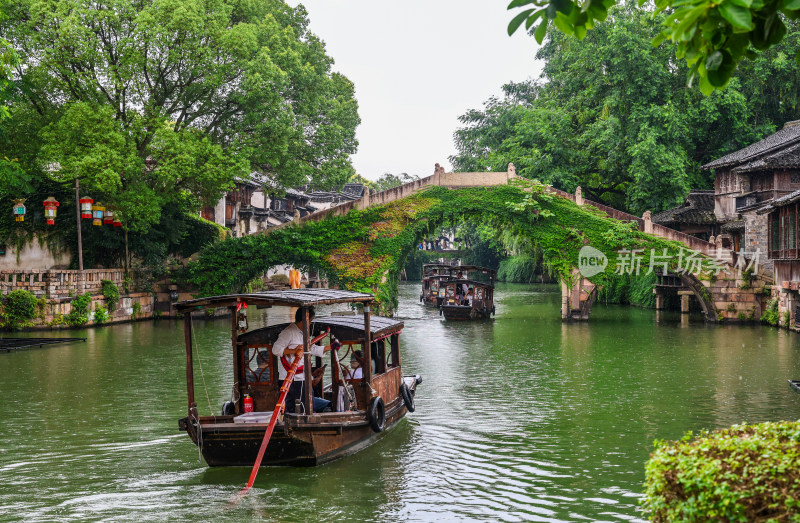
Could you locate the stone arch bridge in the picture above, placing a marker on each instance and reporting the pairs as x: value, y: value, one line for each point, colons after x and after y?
x: 363, y: 244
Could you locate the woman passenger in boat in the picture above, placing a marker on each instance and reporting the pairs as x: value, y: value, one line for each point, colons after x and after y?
x: 469, y: 297
x: 356, y: 372
x: 288, y: 345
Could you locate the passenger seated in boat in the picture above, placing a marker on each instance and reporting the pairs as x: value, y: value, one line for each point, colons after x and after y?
x: 261, y: 372
x: 356, y: 372
x: 288, y: 345
x: 469, y: 297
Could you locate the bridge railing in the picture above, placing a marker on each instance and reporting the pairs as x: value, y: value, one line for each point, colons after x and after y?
x: 483, y: 179
x: 439, y: 177
x: 644, y: 225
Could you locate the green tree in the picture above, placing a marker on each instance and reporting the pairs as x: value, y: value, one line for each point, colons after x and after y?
x: 711, y: 36
x: 612, y: 113
x: 390, y: 181
x: 163, y: 102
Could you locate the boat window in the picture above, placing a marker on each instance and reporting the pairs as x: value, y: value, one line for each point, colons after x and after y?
x: 379, y: 356
x: 479, y: 293
x: 257, y: 366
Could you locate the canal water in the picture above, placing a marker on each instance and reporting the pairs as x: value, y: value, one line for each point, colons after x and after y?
x: 521, y: 418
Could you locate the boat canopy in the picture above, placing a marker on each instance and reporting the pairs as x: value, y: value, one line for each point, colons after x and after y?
x: 378, y: 325
x: 473, y: 283
x: 289, y: 298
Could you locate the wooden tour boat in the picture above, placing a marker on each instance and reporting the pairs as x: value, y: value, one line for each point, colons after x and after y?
x: 371, y: 404
x: 456, y: 304
x: 433, y: 274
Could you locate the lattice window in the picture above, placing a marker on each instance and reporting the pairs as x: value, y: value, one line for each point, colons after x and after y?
x: 257, y: 364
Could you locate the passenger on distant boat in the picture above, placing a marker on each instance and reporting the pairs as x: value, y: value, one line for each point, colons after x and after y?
x: 289, y: 343
x: 469, y: 297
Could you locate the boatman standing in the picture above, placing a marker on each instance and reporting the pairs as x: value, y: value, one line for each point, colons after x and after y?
x: 290, y: 344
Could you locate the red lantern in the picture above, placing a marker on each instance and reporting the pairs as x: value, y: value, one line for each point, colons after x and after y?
x: 50, y: 210
x: 108, y: 217
x: 117, y: 223
x: 86, y: 207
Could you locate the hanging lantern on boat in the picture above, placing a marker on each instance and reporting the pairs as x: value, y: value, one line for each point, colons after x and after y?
x: 86, y: 207
x: 117, y: 223
x: 97, y: 214
x: 108, y: 217
x: 19, y: 209
x: 50, y: 210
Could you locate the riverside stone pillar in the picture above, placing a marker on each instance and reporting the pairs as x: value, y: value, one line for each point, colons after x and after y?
x: 685, y: 297
x: 564, y: 301
x: 659, y: 300
x: 579, y: 195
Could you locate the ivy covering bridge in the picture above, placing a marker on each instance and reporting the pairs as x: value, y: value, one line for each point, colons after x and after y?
x: 365, y: 250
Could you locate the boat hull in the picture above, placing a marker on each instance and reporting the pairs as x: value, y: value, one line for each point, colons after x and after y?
x: 463, y: 313
x: 302, y: 441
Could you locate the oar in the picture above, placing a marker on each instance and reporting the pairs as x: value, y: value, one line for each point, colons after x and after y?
x: 275, y: 413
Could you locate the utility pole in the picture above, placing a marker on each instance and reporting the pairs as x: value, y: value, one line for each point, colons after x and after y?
x: 80, y: 242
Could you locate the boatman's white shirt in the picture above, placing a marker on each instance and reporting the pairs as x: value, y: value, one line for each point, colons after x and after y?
x: 292, y: 336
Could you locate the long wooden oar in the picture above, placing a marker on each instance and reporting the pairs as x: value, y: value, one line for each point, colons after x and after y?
x: 275, y: 414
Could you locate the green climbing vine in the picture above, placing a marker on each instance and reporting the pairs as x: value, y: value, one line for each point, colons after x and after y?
x: 366, y: 250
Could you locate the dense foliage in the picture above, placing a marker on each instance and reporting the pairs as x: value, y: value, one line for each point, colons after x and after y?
x: 110, y: 293
x: 18, y: 309
x: 628, y: 290
x: 712, y: 37
x: 79, y: 313
x: 157, y: 106
x: 612, y: 114
x: 744, y: 473
x: 366, y: 250
x: 519, y: 269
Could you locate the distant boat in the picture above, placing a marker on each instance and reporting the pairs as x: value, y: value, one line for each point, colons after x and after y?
x: 433, y: 275
x: 457, y: 304
x: 381, y: 397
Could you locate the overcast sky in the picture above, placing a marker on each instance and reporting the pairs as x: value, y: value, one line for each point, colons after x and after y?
x: 417, y: 65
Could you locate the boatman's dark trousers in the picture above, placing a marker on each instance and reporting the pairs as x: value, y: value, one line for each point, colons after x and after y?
x: 295, y: 393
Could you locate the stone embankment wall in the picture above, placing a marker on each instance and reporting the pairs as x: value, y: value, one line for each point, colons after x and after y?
x: 58, y: 288
x: 126, y: 310
x: 58, y: 283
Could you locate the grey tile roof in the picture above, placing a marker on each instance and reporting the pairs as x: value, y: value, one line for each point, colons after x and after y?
x: 780, y: 202
x: 786, y: 157
x: 698, y: 208
x: 773, y: 143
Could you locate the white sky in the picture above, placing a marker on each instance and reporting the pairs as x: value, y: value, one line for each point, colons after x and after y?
x: 417, y: 65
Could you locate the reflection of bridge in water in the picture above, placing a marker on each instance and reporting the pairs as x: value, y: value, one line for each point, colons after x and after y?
x: 728, y: 295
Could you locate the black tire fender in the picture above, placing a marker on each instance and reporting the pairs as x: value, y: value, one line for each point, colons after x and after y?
x: 377, y: 414
x: 408, y: 398
x: 228, y: 408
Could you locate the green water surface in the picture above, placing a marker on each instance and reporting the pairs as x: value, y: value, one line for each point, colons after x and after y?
x: 521, y: 418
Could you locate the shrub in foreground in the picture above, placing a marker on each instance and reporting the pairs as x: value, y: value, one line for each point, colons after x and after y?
x: 744, y: 473
x: 18, y: 309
